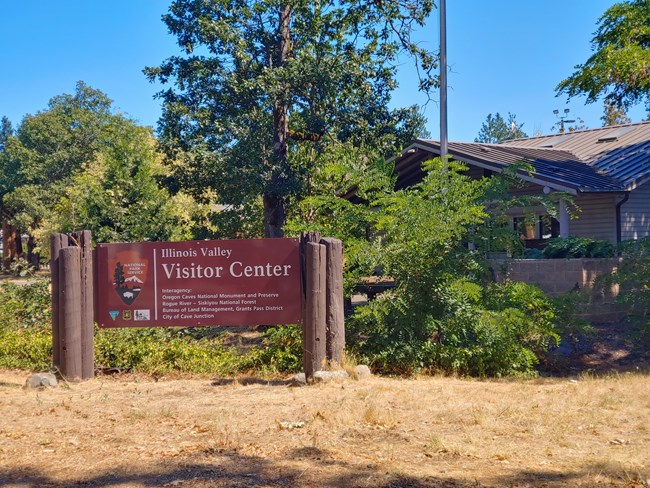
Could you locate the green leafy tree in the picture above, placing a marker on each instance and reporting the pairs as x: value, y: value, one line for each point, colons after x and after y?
x: 259, y: 79
x: 619, y: 68
x: 496, y: 129
x: 440, y: 316
x: 117, y: 194
x: 340, y: 169
x: 46, y: 149
x: 52, y: 144
x: 11, y: 247
x: 80, y: 165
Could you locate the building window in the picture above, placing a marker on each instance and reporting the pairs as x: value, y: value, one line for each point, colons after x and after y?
x: 549, y: 227
x: 538, y: 227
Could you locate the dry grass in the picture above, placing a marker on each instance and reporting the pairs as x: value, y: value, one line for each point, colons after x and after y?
x: 442, y: 432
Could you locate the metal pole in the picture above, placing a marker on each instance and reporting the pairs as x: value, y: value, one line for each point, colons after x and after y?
x: 443, y: 78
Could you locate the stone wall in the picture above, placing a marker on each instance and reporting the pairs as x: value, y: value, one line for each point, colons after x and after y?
x: 556, y: 276
x: 560, y: 276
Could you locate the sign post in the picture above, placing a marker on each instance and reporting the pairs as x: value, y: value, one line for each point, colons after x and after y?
x: 71, y: 268
x: 196, y: 283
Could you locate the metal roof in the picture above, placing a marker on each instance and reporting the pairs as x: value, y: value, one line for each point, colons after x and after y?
x: 621, y: 152
x: 608, y: 159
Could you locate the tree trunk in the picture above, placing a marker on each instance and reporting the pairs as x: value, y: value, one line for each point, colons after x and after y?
x: 12, y: 246
x: 34, y: 258
x: 274, y: 216
x: 275, y: 198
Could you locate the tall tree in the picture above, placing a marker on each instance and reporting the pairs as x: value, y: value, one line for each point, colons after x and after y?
x: 117, y: 194
x: 619, y: 68
x: 80, y: 165
x: 50, y: 145
x: 38, y: 160
x: 257, y: 79
x: 496, y: 129
x: 614, y: 115
x: 6, y: 131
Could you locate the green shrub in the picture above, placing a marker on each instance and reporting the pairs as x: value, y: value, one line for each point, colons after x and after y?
x: 440, y: 317
x: 25, y: 305
x: 533, y: 254
x: 494, y: 344
x: 25, y: 326
x: 21, y: 268
x: 163, y: 351
x: 571, y: 327
x: 538, y: 330
x: 26, y: 342
x: 281, y: 350
x: 25, y: 348
x: 460, y: 328
x: 633, y: 277
x: 578, y: 247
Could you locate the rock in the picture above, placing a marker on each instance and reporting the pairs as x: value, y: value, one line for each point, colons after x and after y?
x: 298, y: 380
x: 41, y: 380
x: 291, y: 425
x: 362, y: 371
x: 619, y: 442
x: 324, y: 376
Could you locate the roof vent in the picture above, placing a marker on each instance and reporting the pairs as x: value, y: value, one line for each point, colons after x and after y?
x: 554, y: 141
x: 614, y: 134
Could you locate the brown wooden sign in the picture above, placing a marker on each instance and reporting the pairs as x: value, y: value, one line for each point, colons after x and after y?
x: 197, y: 283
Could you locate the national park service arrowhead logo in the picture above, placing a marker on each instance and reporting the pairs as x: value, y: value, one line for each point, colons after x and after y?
x: 129, y: 275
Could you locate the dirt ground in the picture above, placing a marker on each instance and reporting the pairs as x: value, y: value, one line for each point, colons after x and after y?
x: 610, y: 347
x: 376, y: 432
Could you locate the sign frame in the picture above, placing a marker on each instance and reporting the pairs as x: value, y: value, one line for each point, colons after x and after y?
x: 236, y: 282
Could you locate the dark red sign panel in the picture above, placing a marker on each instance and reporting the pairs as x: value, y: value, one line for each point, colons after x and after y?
x: 195, y: 283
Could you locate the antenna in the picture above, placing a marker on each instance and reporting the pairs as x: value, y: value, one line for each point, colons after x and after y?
x: 443, y: 79
x: 563, y: 118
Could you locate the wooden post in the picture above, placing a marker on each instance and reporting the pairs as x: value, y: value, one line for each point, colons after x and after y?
x: 335, y: 317
x: 69, y: 312
x: 84, y: 241
x: 314, y: 336
x: 57, y: 242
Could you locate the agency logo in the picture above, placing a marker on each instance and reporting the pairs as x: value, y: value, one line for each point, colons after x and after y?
x: 114, y: 314
x: 126, y: 314
x: 129, y: 275
x: 140, y: 315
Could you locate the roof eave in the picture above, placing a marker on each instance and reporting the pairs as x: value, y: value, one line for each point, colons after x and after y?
x: 551, y: 183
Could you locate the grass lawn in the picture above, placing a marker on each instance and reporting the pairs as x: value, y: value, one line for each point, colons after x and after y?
x: 440, y: 432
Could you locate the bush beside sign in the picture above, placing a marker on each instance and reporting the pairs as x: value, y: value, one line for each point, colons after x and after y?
x: 198, y: 283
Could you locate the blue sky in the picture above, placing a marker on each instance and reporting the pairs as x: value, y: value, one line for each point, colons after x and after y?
x: 504, y: 55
